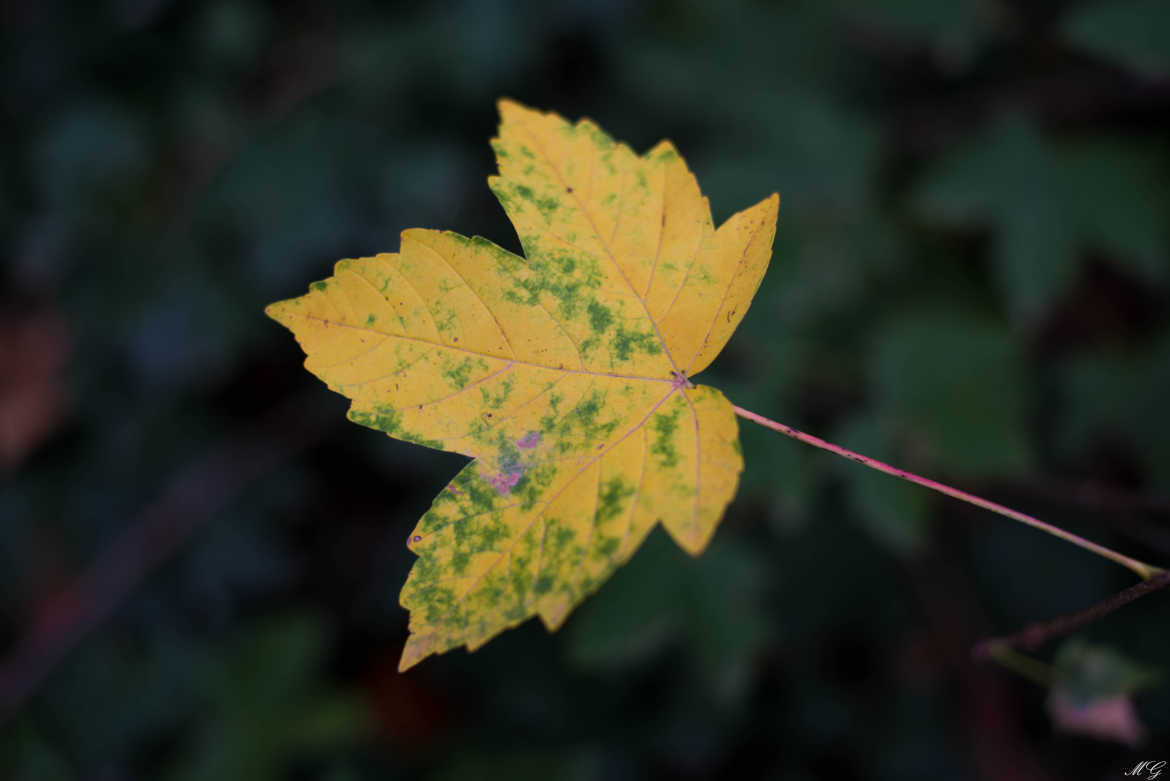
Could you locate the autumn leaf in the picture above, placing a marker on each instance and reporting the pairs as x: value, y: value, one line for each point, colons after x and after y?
x: 564, y: 374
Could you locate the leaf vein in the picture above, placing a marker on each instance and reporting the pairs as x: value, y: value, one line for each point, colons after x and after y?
x: 608, y: 251
x: 698, y: 462
x: 723, y: 300
x: 478, y: 297
x: 586, y: 372
x: 661, y: 231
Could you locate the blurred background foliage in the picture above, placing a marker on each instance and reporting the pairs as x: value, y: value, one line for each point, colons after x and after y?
x: 200, y: 558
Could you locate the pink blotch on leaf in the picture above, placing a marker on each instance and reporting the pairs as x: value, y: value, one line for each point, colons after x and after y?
x: 529, y: 441
x: 504, y: 481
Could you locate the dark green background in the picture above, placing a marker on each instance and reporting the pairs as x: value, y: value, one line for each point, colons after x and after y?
x: 971, y: 278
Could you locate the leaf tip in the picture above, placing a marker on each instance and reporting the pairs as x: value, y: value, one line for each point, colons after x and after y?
x: 508, y: 107
x: 415, y: 650
x: 554, y: 615
x: 771, y: 206
x: 664, y: 150
x: 692, y: 539
x: 763, y: 214
x: 278, y: 311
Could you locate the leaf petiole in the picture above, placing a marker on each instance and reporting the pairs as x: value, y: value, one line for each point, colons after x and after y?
x: 1143, y: 570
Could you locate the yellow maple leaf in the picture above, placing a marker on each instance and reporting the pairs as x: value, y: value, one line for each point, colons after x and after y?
x: 564, y: 374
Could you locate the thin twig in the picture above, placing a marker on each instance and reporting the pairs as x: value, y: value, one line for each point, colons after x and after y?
x: 1037, y: 634
x: 203, y: 487
x: 1143, y: 570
